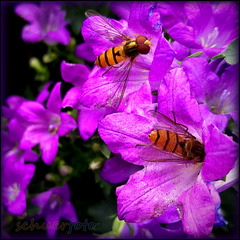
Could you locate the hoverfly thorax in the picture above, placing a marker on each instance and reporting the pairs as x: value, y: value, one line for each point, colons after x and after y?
x: 130, y: 49
x: 193, y: 149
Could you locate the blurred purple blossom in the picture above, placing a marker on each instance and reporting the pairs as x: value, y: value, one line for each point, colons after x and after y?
x: 150, y: 191
x: 44, y: 126
x: 216, y: 88
x: 10, y: 144
x: 77, y: 75
x: 46, y: 22
x: 202, y: 26
x: 55, y: 204
x: 15, y: 177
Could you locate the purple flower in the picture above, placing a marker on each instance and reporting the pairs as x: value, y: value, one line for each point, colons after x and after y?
x: 105, y: 91
x: 151, y: 191
x: 201, y: 26
x: 15, y: 178
x: 216, y: 91
x: 46, y: 23
x: 10, y: 145
x: 55, y: 204
x: 44, y: 126
x: 77, y: 74
x: 14, y: 102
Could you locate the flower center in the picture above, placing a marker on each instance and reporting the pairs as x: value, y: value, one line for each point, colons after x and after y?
x: 210, y: 42
x: 219, y: 103
x: 55, y: 201
x: 11, y: 192
x: 54, y: 125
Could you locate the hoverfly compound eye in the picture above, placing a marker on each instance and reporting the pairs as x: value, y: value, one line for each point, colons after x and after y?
x: 143, y: 44
x: 143, y: 48
x: 141, y: 39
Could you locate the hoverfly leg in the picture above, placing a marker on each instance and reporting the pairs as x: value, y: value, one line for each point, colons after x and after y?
x: 142, y: 145
x: 174, y: 117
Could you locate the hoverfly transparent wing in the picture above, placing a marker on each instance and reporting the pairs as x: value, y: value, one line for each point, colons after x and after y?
x: 103, y: 27
x: 118, y: 85
x: 152, y: 153
x: 165, y: 123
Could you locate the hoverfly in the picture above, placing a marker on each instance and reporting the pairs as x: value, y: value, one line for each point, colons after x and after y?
x: 125, y: 53
x: 171, y: 141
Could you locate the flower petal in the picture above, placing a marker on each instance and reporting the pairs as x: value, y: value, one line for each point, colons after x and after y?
x: 62, y: 36
x: 150, y: 191
x: 55, y: 101
x: 174, y: 94
x: 43, y: 95
x: 85, y: 52
x: 231, y: 178
x: 121, y: 9
x: 88, y: 121
x: 49, y: 149
x: 31, y: 112
x: 184, y: 35
x: 221, y: 151
x: 197, y: 209
x: 67, y: 124
x: 30, y: 155
x: 202, y: 81
x: 163, y: 57
x: 18, y: 206
x: 28, y: 11
x: 144, y: 17
x: 71, y: 98
x: 31, y: 33
x: 116, y: 170
x: 219, y: 120
x: 33, y: 135
x: 122, y: 138
x: 69, y: 213
x: 52, y: 222
x: 75, y: 74
x: 41, y: 200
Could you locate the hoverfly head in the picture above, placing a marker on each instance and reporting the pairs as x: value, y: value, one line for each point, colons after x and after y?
x: 143, y: 44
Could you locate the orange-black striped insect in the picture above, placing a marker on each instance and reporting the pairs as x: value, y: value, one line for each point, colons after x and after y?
x: 126, y: 52
x: 171, y: 141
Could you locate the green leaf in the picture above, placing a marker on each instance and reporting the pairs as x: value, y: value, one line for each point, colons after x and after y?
x: 196, y: 54
x: 117, y: 226
x: 231, y: 54
x: 220, y: 55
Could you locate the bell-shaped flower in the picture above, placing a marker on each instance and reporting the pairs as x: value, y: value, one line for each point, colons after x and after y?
x: 201, y: 26
x: 46, y: 22
x: 169, y: 184
x: 44, y: 126
x: 216, y: 89
x: 15, y: 178
x: 55, y: 204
